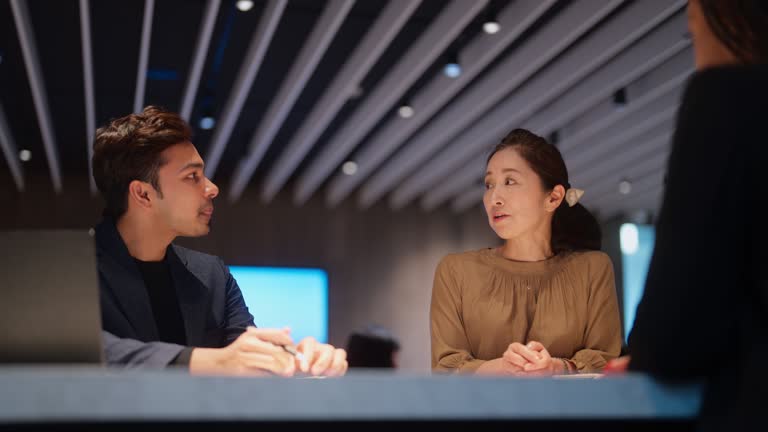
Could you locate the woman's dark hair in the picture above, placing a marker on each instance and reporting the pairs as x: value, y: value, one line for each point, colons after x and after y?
x: 129, y: 148
x: 573, y: 228
x: 741, y: 25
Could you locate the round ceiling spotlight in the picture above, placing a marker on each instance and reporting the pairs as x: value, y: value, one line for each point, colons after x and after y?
x: 244, y: 5
x: 25, y: 155
x: 349, y: 168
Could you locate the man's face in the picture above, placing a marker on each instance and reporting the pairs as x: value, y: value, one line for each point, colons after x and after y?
x: 186, y: 205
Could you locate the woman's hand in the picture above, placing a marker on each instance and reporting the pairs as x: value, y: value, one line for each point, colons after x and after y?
x: 617, y: 366
x: 498, y: 366
x: 533, y: 359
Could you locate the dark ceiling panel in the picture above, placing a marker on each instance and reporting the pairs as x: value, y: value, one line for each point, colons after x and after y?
x: 116, y: 27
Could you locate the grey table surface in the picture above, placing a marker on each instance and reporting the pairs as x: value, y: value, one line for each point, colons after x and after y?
x: 42, y: 394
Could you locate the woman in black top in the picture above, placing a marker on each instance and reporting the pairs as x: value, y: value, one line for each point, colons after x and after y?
x: 704, y: 312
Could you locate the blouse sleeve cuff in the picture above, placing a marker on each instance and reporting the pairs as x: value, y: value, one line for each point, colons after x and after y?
x: 589, y: 362
x: 470, y: 366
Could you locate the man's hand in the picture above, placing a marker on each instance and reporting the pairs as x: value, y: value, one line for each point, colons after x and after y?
x: 258, y: 351
x: 321, y: 359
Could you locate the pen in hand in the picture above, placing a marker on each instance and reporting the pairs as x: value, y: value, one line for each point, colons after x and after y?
x: 290, y: 349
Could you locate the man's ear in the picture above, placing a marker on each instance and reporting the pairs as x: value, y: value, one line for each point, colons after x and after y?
x: 555, y: 198
x: 141, y: 193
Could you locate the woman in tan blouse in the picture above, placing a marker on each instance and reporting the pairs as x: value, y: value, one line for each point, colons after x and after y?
x: 544, y: 302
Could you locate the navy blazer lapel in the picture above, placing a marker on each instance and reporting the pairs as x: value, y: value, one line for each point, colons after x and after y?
x: 124, y: 280
x: 193, y: 298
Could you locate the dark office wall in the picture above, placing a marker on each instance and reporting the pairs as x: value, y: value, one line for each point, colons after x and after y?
x: 380, y: 262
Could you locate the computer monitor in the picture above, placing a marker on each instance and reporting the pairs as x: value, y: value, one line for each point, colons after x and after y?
x: 292, y: 297
x: 49, y: 302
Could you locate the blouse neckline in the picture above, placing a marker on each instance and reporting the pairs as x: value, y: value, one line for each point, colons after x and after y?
x: 546, y: 266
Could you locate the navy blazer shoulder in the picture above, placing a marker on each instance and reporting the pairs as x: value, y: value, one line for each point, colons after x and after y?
x: 210, y: 301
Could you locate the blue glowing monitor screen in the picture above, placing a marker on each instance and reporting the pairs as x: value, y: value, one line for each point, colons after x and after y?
x: 280, y: 297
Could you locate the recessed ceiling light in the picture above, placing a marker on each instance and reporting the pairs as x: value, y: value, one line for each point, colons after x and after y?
x: 25, y: 155
x: 405, y: 111
x: 207, y: 123
x: 349, y: 168
x: 245, y: 5
x: 491, y: 26
x: 625, y: 187
x: 452, y: 69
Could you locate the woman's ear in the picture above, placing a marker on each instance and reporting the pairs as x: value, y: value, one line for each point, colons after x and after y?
x: 140, y: 192
x: 555, y: 198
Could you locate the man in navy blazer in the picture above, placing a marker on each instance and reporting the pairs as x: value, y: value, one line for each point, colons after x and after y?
x: 163, y: 304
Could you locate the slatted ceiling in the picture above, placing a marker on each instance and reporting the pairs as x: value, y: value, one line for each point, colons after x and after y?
x: 29, y: 50
x: 643, y: 197
x: 657, y: 82
x: 672, y: 72
x: 10, y: 151
x: 574, y: 65
x: 514, y: 19
x: 648, y: 152
x: 260, y: 41
x: 146, y: 38
x: 59, y: 50
x: 543, y: 45
x: 298, y: 76
x: 198, y: 62
x: 651, y: 180
x: 617, y: 125
x: 640, y: 47
x: 336, y: 94
x: 637, y: 172
x: 294, y: 28
x: 616, y: 132
x: 582, y: 160
x: 11, y: 169
x: 89, y: 96
x: 654, y: 49
x: 602, y: 145
x: 615, y: 120
x: 429, y: 48
x: 645, y: 55
x: 454, y: 184
x: 116, y: 35
x: 600, y: 175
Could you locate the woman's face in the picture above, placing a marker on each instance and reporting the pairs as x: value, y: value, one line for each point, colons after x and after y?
x: 708, y: 51
x: 515, y: 200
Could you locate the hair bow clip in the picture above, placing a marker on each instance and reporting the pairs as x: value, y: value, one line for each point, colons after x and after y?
x: 573, y: 195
